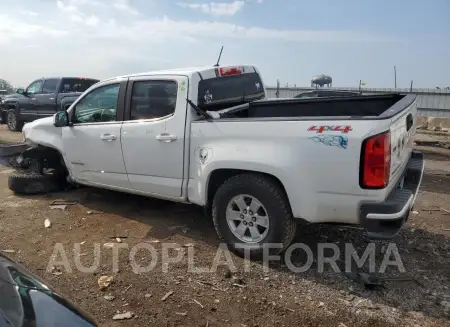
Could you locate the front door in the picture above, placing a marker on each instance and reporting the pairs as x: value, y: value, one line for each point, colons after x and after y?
x: 45, y: 103
x: 153, y: 134
x: 92, y: 145
x: 28, y: 102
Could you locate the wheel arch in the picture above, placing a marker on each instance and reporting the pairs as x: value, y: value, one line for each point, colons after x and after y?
x: 219, y: 176
x: 41, y: 152
x: 12, y: 105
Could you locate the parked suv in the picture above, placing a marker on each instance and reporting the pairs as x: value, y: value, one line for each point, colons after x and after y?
x: 42, y: 98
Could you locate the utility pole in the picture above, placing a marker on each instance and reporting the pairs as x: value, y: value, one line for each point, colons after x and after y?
x: 395, y: 77
x: 277, y: 94
x: 410, y: 89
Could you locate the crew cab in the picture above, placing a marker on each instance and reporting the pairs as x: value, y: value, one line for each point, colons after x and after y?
x: 208, y: 136
x: 42, y: 98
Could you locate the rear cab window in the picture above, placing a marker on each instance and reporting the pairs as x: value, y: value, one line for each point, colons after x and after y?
x: 229, y: 86
x: 70, y: 85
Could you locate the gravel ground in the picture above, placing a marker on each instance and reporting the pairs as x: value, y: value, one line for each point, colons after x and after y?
x: 6, y: 136
x: 277, y: 297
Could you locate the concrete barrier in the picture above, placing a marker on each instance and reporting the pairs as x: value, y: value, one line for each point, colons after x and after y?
x: 438, y: 124
x: 422, y: 122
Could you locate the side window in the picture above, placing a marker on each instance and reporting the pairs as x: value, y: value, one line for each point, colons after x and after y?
x: 50, y: 86
x: 99, y: 105
x: 35, y: 87
x: 153, y: 99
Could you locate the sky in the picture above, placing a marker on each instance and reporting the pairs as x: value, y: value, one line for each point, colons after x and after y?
x: 289, y: 40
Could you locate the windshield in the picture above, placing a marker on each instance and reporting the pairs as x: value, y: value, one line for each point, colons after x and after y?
x: 222, y: 92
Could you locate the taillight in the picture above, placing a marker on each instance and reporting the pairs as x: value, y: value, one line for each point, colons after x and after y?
x: 227, y: 71
x: 376, y: 161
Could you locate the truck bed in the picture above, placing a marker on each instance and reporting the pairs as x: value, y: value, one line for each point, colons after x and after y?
x: 363, y: 107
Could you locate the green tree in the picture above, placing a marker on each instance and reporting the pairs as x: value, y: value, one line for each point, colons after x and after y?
x: 5, y: 85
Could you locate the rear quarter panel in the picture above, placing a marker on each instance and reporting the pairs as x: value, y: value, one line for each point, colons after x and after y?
x: 401, y: 142
x: 318, y: 167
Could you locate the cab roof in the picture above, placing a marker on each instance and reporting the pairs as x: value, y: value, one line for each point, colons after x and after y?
x: 208, y: 71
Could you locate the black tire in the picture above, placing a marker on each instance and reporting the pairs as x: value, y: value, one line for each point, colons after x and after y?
x: 14, y: 122
x: 282, y: 225
x: 33, y: 183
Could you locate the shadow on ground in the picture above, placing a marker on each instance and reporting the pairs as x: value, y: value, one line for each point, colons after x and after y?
x: 425, y: 255
x: 435, y: 183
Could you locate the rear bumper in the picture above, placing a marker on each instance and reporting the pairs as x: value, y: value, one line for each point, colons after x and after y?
x: 383, y: 220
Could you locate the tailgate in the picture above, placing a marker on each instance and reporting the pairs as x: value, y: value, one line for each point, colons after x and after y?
x: 403, y: 128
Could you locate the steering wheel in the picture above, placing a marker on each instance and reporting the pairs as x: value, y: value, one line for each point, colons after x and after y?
x: 107, y: 115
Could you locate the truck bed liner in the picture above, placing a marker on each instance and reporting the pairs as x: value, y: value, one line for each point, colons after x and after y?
x: 382, y: 106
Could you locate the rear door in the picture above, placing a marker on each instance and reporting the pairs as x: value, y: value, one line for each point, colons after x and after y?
x: 28, y: 111
x: 46, y: 101
x: 153, y: 134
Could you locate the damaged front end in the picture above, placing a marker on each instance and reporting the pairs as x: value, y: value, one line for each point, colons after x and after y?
x: 38, y: 158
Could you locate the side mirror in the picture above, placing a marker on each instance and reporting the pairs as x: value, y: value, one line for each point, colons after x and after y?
x: 61, y: 119
x: 20, y: 91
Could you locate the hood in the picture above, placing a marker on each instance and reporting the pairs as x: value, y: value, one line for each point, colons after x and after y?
x: 27, y: 301
x: 11, y: 97
x: 38, y: 125
x: 44, y: 122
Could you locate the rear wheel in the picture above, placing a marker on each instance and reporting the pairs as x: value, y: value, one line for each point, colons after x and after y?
x: 251, y: 210
x: 14, y: 123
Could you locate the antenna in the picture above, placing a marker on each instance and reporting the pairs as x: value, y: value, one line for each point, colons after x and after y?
x: 218, y: 59
x: 395, y: 77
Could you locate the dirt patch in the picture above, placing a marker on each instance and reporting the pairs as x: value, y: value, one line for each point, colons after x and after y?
x: 8, y: 137
x: 277, y: 297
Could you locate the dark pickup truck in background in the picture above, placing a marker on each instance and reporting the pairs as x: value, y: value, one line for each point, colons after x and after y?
x: 42, y: 98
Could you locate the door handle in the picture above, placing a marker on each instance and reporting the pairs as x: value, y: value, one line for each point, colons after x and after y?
x: 33, y: 100
x: 166, y: 137
x: 51, y: 99
x: 107, y: 137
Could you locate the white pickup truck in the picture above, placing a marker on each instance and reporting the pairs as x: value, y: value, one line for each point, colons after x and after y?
x: 208, y: 136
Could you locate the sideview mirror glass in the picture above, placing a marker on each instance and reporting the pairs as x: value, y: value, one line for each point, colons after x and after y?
x: 61, y: 119
x: 20, y: 91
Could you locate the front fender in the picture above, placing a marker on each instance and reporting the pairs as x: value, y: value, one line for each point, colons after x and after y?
x: 11, y: 105
x: 43, y: 132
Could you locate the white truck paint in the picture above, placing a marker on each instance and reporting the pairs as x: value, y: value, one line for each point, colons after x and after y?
x: 312, y: 163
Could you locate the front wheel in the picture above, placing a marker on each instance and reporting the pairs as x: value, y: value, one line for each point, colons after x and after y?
x: 251, y: 210
x: 14, y: 123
